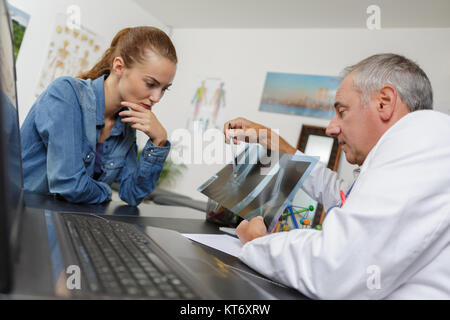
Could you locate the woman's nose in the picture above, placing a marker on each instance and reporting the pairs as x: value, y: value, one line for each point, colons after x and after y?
x: 156, y: 95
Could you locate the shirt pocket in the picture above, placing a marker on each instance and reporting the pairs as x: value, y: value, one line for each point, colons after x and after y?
x: 88, y: 155
x: 111, y: 169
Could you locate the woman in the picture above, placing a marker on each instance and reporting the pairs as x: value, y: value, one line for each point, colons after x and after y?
x: 80, y: 135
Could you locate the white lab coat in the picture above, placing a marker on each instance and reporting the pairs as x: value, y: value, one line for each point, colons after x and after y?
x: 391, y: 239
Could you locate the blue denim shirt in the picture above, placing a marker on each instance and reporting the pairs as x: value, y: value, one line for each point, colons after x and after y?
x: 59, y: 137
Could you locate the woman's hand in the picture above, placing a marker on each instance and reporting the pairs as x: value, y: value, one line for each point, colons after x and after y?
x: 248, y: 131
x: 144, y: 120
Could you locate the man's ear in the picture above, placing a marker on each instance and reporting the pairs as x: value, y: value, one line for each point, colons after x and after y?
x: 118, y: 66
x: 387, y: 101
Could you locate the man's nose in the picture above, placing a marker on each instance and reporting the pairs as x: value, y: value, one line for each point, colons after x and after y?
x: 333, y: 128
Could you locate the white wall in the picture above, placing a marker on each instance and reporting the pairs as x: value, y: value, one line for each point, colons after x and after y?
x: 104, y: 17
x: 244, y: 57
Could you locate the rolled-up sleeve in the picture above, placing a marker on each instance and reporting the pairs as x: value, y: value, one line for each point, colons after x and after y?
x: 138, y: 180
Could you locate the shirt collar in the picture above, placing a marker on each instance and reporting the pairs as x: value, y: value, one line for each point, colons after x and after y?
x: 119, y: 126
x: 99, y: 91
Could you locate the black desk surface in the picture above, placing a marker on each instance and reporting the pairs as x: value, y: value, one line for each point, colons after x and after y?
x: 144, y: 214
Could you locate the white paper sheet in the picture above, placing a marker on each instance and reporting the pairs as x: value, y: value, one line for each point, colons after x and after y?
x: 222, y: 242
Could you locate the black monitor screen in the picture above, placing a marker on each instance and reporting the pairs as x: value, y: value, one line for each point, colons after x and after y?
x: 10, y: 160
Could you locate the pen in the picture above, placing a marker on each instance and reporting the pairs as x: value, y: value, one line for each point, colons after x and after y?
x: 234, y: 155
x: 343, y: 198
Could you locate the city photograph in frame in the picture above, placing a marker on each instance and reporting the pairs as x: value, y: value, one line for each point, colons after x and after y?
x: 300, y: 94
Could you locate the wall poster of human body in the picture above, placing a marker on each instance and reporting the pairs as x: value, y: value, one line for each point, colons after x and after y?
x: 71, y: 52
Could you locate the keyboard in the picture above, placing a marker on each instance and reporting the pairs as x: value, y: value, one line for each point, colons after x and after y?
x: 116, y: 260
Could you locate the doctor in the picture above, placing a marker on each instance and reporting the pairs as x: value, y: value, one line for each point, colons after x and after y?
x: 391, y: 237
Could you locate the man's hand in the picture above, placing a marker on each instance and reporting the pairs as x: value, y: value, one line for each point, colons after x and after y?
x: 247, y: 231
x: 145, y: 120
x: 248, y: 131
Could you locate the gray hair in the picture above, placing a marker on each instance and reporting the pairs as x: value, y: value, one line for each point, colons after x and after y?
x: 410, y: 81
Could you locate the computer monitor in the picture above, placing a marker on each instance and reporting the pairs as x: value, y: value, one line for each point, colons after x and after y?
x: 11, y: 180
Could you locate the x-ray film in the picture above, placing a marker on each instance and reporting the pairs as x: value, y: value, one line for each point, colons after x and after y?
x: 266, y: 182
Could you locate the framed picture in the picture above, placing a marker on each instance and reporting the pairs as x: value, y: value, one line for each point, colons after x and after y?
x: 313, y: 141
x: 19, y: 21
x: 300, y: 94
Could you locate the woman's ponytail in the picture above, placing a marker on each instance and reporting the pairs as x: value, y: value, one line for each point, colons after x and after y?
x: 132, y: 45
x: 104, y: 65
